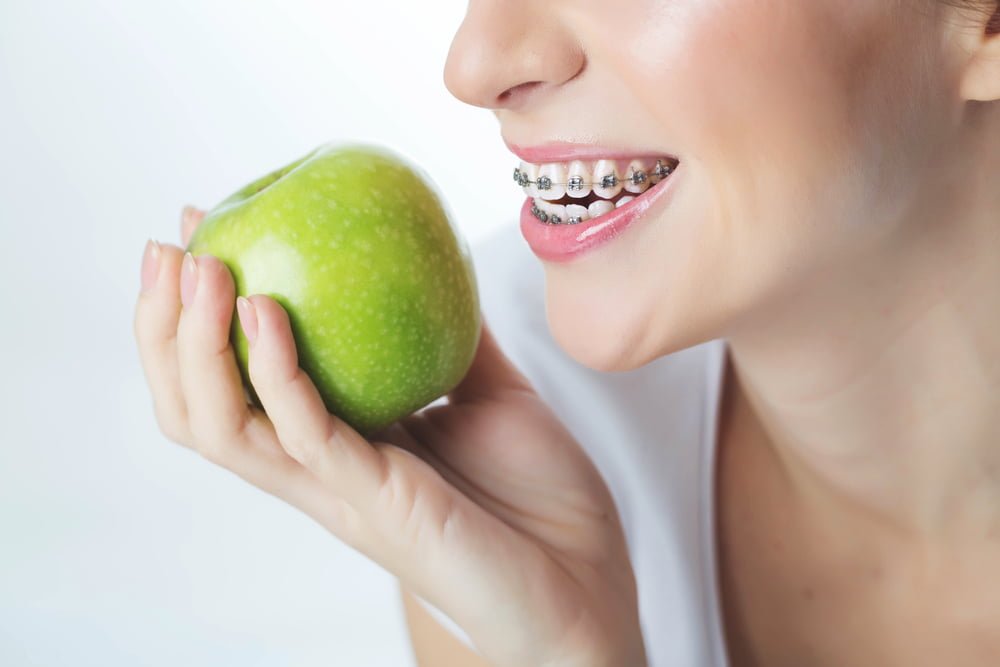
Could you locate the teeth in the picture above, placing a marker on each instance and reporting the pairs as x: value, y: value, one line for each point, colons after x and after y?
x: 531, y: 171
x: 570, y: 214
x: 636, y: 178
x: 576, y: 211
x: 659, y: 172
x: 556, y: 212
x: 578, y: 179
x: 554, y: 176
x: 538, y: 212
x: 606, y: 179
x: 600, y: 207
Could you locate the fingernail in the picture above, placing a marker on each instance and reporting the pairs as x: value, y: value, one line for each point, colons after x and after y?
x: 189, y: 279
x: 150, y: 264
x: 248, y: 318
x: 186, y: 212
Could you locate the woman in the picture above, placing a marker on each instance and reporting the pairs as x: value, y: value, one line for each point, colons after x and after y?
x: 826, y: 203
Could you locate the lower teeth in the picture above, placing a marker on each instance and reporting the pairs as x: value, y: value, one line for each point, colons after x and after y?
x: 555, y: 219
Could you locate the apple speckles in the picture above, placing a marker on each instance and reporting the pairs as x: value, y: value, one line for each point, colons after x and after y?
x: 385, y: 311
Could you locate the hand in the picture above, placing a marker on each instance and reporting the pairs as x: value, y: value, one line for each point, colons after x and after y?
x: 486, y: 506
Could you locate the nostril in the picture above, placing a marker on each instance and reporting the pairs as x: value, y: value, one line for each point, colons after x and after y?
x: 516, y: 91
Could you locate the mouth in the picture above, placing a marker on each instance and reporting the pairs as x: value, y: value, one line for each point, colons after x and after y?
x: 570, y: 193
x: 581, y: 197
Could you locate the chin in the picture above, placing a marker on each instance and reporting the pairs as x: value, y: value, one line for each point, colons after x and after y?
x: 598, y: 339
x: 599, y: 354
x: 603, y: 331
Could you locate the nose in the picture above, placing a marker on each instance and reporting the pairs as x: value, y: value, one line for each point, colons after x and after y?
x: 508, y: 52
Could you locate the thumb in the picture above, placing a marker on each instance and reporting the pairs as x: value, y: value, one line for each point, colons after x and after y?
x: 491, y: 372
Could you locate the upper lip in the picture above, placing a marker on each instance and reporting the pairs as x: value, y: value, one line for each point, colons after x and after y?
x: 564, y: 151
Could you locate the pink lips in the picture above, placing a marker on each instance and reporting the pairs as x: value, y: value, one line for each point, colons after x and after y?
x: 563, y: 151
x: 562, y: 243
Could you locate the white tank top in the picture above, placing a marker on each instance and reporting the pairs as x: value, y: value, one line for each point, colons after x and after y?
x: 651, y: 432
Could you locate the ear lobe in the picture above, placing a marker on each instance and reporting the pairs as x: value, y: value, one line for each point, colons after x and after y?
x: 981, y: 80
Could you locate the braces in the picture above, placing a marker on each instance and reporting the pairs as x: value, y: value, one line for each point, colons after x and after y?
x: 553, y: 219
x: 576, y: 183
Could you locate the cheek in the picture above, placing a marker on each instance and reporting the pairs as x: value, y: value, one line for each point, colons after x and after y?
x: 763, y: 94
x: 795, y: 114
x: 773, y: 105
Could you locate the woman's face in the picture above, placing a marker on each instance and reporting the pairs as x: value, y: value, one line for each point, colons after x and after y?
x: 804, y: 130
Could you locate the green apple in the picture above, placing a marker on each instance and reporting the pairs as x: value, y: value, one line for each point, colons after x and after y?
x: 358, y: 247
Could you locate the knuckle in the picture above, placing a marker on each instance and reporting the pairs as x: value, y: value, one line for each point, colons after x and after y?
x: 173, y: 427
x: 218, y: 446
x: 267, y: 376
x: 347, y: 524
x: 299, y: 450
x: 216, y: 450
x: 177, y: 436
x: 333, y: 433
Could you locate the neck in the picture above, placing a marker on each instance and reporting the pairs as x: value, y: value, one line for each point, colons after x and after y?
x: 878, y: 384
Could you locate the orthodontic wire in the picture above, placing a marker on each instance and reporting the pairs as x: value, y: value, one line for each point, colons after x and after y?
x: 576, y: 183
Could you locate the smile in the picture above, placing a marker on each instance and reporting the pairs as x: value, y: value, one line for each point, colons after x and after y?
x: 577, y: 191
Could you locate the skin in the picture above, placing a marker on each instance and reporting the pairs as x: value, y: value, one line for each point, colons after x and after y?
x: 485, y: 507
x: 835, y: 196
x: 838, y: 222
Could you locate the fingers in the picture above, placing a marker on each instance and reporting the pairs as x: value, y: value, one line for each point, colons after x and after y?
x: 191, y: 217
x: 196, y: 385
x: 210, y: 379
x: 323, y: 443
x: 491, y: 371
x: 155, y: 325
x: 224, y: 428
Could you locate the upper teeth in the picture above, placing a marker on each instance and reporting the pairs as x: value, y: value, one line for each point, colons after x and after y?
x: 605, y: 178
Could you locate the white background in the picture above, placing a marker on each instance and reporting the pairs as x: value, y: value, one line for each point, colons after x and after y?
x: 118, y: 547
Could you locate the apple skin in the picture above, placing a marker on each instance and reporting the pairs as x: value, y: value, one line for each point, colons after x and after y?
x: 355, y: 243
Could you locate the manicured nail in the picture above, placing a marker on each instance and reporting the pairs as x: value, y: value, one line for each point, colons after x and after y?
x: 150, y: 264
x: 189, y: 279
x: 248, y: 318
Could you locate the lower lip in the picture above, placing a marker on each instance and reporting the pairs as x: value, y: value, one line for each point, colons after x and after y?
x: 563, y: 243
